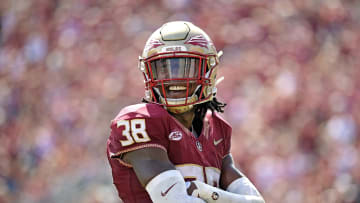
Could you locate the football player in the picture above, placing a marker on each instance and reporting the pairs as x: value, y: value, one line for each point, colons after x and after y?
x: 175, y: 147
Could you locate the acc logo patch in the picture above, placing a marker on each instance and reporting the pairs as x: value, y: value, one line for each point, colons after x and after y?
x: 175, y: 136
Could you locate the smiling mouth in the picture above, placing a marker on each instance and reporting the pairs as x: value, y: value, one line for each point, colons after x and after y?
x: 177, y: 88
x: 176, y: 91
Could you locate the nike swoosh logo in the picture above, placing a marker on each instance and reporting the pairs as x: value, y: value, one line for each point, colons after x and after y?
x: 216, y: 142
x: 165, y: 193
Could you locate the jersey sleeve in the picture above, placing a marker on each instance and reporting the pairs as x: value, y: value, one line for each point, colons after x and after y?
x: 227, y: 143
x: 225, y: 131
x: 131, y: 133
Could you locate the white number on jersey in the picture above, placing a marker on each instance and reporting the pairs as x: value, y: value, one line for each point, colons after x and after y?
x: 134, y: 131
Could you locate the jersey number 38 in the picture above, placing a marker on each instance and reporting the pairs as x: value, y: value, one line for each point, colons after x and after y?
x: 134, y: 131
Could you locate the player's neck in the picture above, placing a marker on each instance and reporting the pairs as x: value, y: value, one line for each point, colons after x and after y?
x: 185, y: 118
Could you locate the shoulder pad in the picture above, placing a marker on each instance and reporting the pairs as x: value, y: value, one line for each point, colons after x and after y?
x: 142, y: 110
x: 216, y: 116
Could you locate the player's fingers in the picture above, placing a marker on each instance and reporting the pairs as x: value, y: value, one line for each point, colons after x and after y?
x: 190, y: 187
x: 197, y: 200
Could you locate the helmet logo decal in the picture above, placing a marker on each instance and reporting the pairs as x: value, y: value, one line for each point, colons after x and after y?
x: 153, y: 43
x: 175, y: 135
x: 198, y: 40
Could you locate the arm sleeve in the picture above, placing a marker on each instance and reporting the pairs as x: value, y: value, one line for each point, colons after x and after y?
x: 213, y: 195
x: 169, y: 186
x: 243, y: 186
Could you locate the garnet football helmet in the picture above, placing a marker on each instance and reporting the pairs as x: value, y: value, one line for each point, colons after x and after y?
x: 179, y: 63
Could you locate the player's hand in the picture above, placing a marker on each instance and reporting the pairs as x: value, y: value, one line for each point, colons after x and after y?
x: 197, y: 189
x: 191, y: 186
x: 212, y: 194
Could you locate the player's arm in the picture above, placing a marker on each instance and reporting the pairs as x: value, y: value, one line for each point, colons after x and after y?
x: 234, y: 181
x: 158, y: 175
x: 235, y: 187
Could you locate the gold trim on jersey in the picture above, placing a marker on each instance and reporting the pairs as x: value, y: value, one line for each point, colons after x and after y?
x: 189, y: 177
x: 133, y: 149
x: 188, y: 165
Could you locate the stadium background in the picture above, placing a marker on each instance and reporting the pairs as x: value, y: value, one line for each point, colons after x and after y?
x: 292, y: 86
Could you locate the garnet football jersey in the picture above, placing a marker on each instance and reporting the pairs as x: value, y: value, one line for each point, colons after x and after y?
x: 150, y: 125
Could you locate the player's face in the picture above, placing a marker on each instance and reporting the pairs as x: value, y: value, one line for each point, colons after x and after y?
x: 178, y: 76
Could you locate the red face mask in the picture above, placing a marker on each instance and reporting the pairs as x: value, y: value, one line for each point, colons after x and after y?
x: 178, y: 77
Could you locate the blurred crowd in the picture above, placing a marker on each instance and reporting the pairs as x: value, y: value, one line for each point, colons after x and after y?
x: 292, y: 86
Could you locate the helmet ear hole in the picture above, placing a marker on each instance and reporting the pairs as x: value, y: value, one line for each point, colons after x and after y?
x: 212, y: 62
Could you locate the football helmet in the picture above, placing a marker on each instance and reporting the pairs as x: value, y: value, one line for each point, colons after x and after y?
x: 179, y: 64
